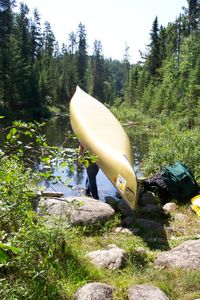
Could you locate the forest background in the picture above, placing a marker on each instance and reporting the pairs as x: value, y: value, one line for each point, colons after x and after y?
x: 36, y: 75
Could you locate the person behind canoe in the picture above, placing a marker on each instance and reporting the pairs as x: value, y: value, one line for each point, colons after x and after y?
x: 92, y: 169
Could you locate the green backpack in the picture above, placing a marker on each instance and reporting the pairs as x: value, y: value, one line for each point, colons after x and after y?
x: 180, y: 181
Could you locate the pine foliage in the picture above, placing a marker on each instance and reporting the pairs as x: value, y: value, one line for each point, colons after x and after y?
x: 36, y: 73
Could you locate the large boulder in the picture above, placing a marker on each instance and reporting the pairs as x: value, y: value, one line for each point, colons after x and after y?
x: 76, y: 210
x: 146, y: 292
x: 94, y: 291
x: 186, y: 255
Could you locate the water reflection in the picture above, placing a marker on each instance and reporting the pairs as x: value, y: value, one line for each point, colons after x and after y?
x: 73, y: 183
x: 56, y: 130
x: 139, y: 141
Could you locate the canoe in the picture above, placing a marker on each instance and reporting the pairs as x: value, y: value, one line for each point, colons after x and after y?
x: 102, y: 134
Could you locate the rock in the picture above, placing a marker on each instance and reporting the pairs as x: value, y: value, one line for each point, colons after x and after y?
x: 112, y: 259
x: 77, y: 210
x: 120, y: 229
x: 113, y: 202
x: 146, y: 292
x: 120, y: 205
x: 128, y: 222
x: 126, y: 230
x: 125, y: 208
x: 147, y: 198
x: 94, y: 291
x: 152, y: 209
x: 186, y: 255
x: 149, y: 224
x: 170, y: 207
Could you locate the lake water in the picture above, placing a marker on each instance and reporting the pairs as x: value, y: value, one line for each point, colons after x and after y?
x: 56, y: 131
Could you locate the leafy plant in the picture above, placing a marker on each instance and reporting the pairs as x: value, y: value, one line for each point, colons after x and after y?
x: 172, y: 145
x: 4, y: 252
x: 26, y: 142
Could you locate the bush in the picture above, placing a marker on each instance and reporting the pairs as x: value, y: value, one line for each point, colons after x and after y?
x: 18, y: 188
x: 126, y: 113
x: 47, y: 260
x: 171, y: 145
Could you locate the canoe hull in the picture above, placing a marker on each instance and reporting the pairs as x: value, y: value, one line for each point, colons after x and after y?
x: 102, y: 134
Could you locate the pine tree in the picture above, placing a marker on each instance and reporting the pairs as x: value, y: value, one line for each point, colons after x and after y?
x: 153, y: 60
x: 126, y: 63
x: 131, y: 89
x: 162, y: 44
x: 72, y: 66
x: 23, y: 44
x: 36, y: 37
x: 6, y: 28
x: 193, y: 15
x: 82, y: 56
x: 48, y: 41
x: 23, y: 31
x: 98, y: 78
x: 125, y: 68
x: 72, y: 48
x: 47, y: 77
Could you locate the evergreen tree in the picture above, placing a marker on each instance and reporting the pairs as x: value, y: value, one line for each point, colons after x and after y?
x: 162, y: 44
x: 36, y: 37
x: 23, y: 32
x: 48, y: 41
x: 131, y: 89
x: 70, y: 65
x: 126, y: 63
x: 19, y: 75
x: 90, y: 76
x: 6, y: 27
x: 47, y: 77
x: 109, y: 82
x: 126, y: 68
x: 23, y: 44
x: 69, y: 75
x: 193, y: 15
x: 143, y: 81
x: 72, y: 48
x: 98, y: 78
x: 82, y: 56
x: 153, y: 59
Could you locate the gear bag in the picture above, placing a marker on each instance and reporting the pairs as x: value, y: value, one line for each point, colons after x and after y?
x: 180, y: 181
x: 175, y: 181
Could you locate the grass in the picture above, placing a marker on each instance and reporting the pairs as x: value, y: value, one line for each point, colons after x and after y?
x: 139, y: 269
x: 53, y: 262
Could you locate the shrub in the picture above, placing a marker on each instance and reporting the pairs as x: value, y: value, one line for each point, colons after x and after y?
x: 172, y: 145
x: 18, y: 188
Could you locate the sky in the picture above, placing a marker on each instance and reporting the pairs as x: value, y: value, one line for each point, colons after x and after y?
x: 116, y: 23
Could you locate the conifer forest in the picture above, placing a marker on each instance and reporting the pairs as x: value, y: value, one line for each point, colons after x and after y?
x: 37, y: 73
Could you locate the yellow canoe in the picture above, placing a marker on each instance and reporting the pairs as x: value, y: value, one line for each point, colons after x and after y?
x: 102, y: 134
